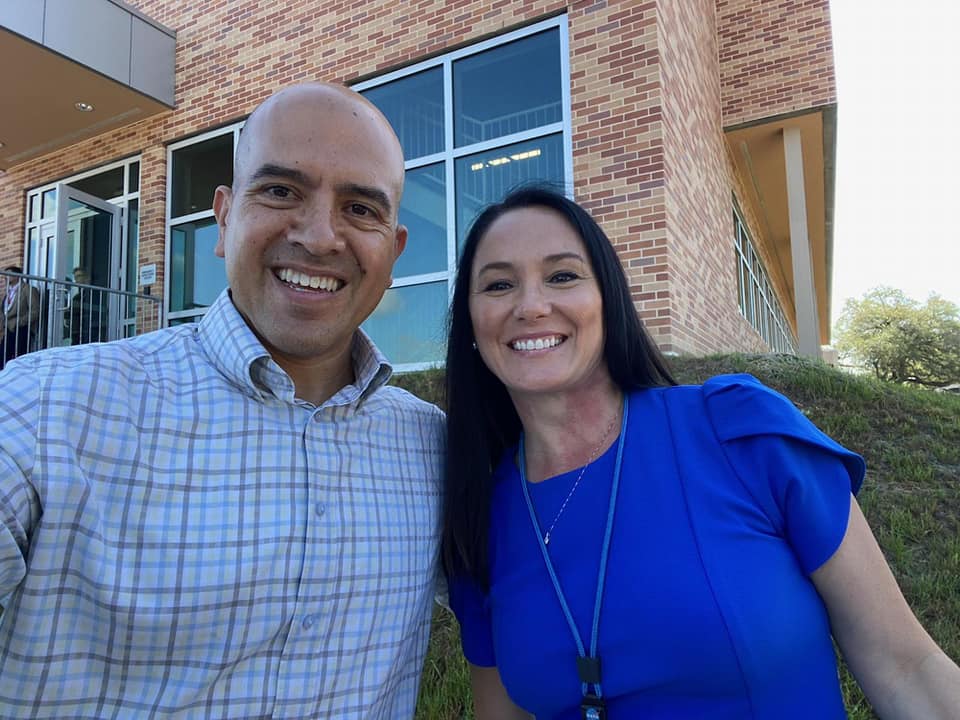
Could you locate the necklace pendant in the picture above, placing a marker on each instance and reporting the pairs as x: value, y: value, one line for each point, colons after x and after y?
x: 546, y: 539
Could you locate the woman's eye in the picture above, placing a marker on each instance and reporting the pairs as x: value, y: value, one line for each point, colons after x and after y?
x: 564, y: 277
x: 496, y: 286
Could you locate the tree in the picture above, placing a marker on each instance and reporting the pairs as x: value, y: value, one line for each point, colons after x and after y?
x: 901, y: 340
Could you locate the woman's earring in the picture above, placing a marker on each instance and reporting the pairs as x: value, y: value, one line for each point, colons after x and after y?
x: 474, y: 343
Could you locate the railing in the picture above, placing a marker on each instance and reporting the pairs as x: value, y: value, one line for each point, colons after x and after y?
x: 41, y: 313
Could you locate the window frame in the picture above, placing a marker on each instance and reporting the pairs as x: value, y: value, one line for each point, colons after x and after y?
x: 450, y: 154
x: 172, y: 221
x: 757, y: 300
x: 122, y: 201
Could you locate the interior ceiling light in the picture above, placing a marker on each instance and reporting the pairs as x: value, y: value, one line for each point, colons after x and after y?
x: 83, y: 107
x: 494, y: 162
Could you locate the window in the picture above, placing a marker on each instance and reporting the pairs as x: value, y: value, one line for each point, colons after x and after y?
x: 757, y: 301
x: 195, y: 276
x: 473, y: 124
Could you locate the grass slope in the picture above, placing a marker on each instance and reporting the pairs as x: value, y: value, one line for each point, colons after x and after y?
x: 911, y: 441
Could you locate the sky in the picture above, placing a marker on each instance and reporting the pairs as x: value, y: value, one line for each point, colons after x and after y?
x: 897, y: 211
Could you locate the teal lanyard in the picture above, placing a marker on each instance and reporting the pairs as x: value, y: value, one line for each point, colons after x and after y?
x: 588, y: 666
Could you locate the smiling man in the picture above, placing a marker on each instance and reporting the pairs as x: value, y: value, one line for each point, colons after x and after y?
x: 235, y: 518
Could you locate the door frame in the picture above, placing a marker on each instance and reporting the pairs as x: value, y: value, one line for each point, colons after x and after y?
x: 60, y: 294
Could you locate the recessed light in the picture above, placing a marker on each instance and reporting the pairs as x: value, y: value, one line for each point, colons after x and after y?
x: 83, y: 107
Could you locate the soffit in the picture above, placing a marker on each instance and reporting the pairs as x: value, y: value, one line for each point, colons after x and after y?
x: 39, y: 89
x: 758, y: 153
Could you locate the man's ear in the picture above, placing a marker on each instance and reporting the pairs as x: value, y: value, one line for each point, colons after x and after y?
x: 399, y: 243
x: 400, y: 240
x: 222, y: 199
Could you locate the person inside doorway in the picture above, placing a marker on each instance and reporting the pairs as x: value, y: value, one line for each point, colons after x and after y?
x: 85, y: 321
x: 21, y: 312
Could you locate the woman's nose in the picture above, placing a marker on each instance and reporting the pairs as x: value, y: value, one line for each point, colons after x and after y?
x: 532, y: 304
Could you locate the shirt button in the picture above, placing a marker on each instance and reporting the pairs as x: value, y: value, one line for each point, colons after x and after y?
x: 320, y: 508
x: 308, y: 621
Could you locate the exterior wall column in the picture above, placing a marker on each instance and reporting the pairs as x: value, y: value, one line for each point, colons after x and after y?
x: 804, y: 297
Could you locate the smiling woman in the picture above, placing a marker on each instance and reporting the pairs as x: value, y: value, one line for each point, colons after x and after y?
x: 536, y: 307
x: 698, y: 561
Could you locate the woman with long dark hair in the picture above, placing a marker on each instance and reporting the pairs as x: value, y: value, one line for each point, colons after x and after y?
x: 621, y: 547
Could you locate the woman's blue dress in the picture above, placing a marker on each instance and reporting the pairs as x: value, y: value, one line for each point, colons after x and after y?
x: 729, y: 498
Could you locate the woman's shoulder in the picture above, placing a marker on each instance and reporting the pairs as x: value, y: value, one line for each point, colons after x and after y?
x: 738, y: 405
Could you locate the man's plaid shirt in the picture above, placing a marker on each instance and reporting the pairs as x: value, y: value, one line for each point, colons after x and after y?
x: 181, y: 537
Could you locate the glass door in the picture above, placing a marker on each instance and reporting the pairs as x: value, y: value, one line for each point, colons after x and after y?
x: 85, y: 251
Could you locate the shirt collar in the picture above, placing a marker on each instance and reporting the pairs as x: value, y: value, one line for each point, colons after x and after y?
x: 236, y: 352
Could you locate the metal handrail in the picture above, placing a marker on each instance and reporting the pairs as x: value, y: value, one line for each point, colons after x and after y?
x: 47, y: 313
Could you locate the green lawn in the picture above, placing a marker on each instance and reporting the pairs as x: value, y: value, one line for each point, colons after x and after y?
x: 911, y: 441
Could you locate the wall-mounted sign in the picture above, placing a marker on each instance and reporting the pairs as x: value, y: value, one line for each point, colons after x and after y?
x: 148, y: 274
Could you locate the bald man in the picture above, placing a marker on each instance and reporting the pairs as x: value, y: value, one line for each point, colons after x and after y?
x: 234, y: 519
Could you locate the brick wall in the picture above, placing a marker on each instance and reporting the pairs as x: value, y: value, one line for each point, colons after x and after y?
x: 702, y: 310
x: 649, y: 163
x: 618, y: 142
x: 776, y: 57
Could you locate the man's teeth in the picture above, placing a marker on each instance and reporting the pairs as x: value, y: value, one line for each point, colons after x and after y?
x: 316, y: 282
x: 538, y: 344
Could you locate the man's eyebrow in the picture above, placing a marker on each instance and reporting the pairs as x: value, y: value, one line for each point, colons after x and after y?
x: 269, y: 170
x: 375, y: 195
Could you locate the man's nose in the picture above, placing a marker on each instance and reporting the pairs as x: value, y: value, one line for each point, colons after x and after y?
x: 316, y: 229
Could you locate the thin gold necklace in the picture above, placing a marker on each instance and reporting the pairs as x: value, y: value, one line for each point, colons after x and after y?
x: 593, y: 456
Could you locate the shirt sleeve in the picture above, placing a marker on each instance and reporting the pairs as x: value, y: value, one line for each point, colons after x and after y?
x: 472, y: 609
x: 19, y: 503
x: 801, y: 478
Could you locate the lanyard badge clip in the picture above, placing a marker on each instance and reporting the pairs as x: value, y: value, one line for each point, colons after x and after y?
x: 593, y: 708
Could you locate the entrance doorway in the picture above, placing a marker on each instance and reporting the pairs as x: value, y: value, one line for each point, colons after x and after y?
x: 82, y: 236
x: 81, y: 245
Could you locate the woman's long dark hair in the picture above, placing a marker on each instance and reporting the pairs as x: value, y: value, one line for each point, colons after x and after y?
x: 481, y: 419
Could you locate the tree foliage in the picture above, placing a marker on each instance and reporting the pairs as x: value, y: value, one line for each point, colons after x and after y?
x: 901, y: 340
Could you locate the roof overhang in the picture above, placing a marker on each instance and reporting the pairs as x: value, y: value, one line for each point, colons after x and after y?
x: 55, y: 58
x: 758, y: 153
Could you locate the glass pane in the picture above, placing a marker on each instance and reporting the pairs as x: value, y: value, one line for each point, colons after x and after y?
x: 196, y: 275
x: 133, y: 180
x: 87, y: 243
x: 197, y: 170
x: 34, y: 212
x: 424, y: 211
x: 409, y: 323
x: 184, y: 320
x: 33, y: 252
x: 414, y: 106
x: 507, y: 89
x: 49, y: 204
x: 133, y: 254
x: 106, y: 185
x: 486, y: 177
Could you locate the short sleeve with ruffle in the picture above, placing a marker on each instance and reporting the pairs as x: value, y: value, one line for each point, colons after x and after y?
x: 470, y: 605
x: 801, y: 478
